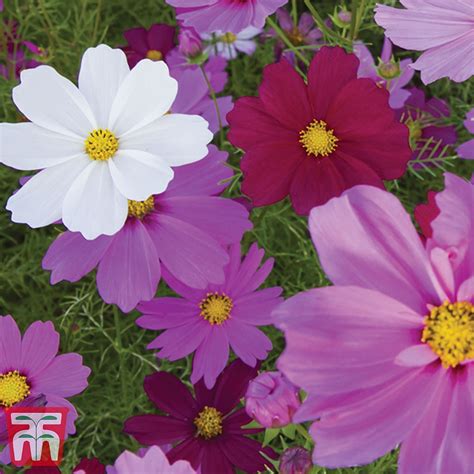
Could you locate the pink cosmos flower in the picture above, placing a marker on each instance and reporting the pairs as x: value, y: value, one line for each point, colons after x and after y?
x: 32, y: 374
x: 208, y: 16
x: 388, y: 73
x: 466, y: 150
x: 271, y: 399
x: 154, y: 43
x: 181, y: 230
x: 218, y: 316
x: 154, y: 461
x: 189, y: 41
x: 386, y: 355
x: 443, y: 30
x: 426, y: 122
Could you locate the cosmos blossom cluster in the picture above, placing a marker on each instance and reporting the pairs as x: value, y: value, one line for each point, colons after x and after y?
x: 380, y: 359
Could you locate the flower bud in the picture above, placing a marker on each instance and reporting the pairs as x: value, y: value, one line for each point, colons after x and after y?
x: 271, y: 400
x: 295, y: 461
x: 389, y: 70
x: 190, y: 43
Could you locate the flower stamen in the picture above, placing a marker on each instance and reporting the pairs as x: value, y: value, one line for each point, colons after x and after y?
x: 208, y: 423
x: 13, y: 388
x: 154, y: 55
x: 317, y: 140
x: 101, y: 144
x: 216, y: 308
x: 228, y: 38
x: 449, y: 331
x: 140, y: 209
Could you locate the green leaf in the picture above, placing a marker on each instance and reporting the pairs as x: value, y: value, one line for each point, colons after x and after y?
x: 24, y: 418
x: 289, y: 431
x: 46, y: 436
x: 49, y: 417
x: 270, y: 434
x: 26, y: 436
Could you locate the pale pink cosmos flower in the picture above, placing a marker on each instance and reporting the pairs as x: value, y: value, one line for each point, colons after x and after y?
x: 444, y: 30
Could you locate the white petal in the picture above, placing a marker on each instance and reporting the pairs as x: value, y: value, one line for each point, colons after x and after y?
x: 145, y: 94
x: 25, y: 146
x: 178, y: 139
x: 138, y: 174
x: 102, y: 71
x: 39, y: 202
x: 93, y: 206
x: 53, y: 102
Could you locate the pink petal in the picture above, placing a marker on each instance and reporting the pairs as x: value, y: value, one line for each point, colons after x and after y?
x: 416, y: 356
x: 10, y: 344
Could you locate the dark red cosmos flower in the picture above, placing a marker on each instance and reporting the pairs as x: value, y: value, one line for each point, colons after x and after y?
x: 154, y: 43
x: 86, y: 466
x: 426, y: 213
x: 208, y: 428
x: 313, y: 141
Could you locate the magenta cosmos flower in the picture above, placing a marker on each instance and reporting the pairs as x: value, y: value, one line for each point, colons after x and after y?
x: 443, y: 30
x: 154, y: 461
x: 426, y: 122
x: 154, y: 44
x: 30, y: 369
x: 182, y: 230
x: 314, y: 141
x: 208, y: 428
x: 272, y: 399
x: 466, y: 150
x: 208, y: 16
x: 217, y: 316
x: 386, y: 355
x: 388, y: 73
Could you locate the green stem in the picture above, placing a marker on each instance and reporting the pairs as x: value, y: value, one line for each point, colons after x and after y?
x: 354, y: 15
x: 287, y: 42
x: 216, y: 105
x: 294, y: 12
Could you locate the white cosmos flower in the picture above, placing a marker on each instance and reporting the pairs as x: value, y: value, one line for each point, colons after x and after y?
x: 98, y: 145
x: 228, y: 45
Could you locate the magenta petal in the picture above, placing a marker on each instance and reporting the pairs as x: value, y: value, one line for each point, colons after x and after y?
x: 191, y: 449
x: 155, y: 429
x: 130, y: 269
x: 71, y: 256
x: 10, y: 344
x: 164, y: 313
x: 256, y: 308
x: 379, y: 247
x: 170, y: 395
x: 39, y: 346
x: 200, y: 259
x: 214, y: 460
x: 416, y: 356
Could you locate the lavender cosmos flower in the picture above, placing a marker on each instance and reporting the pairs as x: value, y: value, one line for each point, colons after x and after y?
x: 189, y: 41
x: 154, y: 461
x: 443, y: 30
x: 426, y: 121
x: 207, y: 428
x: 229, y: 44
x: 388, y: 73
x: 154, y: 44
x: 303, y: 33
x: 32, y: 373
x: 217, y: 316
x: 295, y: 461
x: 181, y: 230
x: 466, y: 150
x: 208, y: 16
x: 272, y: 399
x: 387, y: 354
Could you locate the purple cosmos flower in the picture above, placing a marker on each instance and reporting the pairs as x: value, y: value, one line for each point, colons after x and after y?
x: 466, y: 150
x: 443, y: 30
x: 304, y: 33
x: 426, y: 121
x: 189, y: 41
x: 31, y: 372
x: 181, y: 230
x: 154, y: 461
x: 154, y: 44
x: 387, y: 354
x: 388, y: 73
x: 208, y: 428
x: 295, y: 461
x: 229, y: 44
x: 209, y: 16
x: 218, y: 316
x: 272, y: 399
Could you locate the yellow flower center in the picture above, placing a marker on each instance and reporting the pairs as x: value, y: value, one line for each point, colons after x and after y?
x: 295, y: 36
x: 449, y: 331
x: 228, y: 38
x: 154, y: 55
x: 101, y: 144
x: 208, y: 423
x: 415, y: 128
x: 317, y: 140
x: 140, y: 209
x: 216, y: 308
x: 13, y: 388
